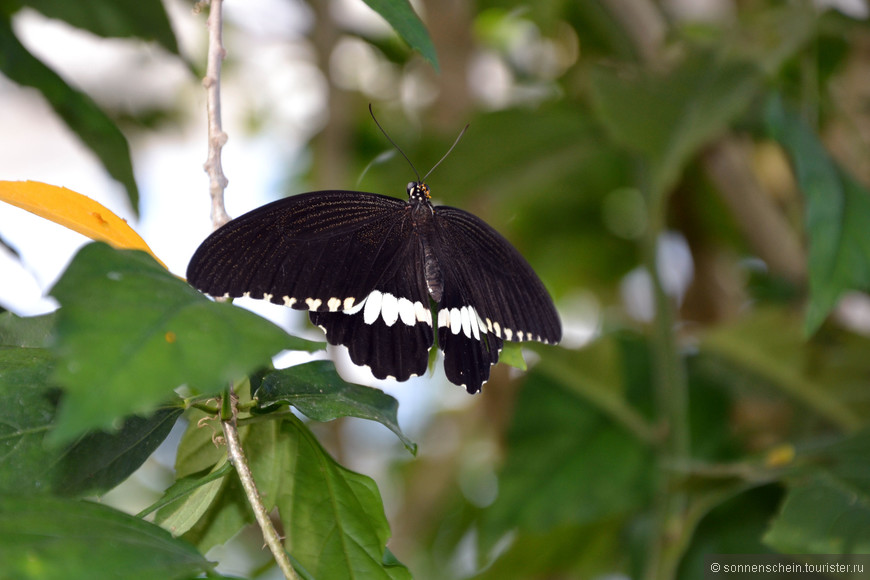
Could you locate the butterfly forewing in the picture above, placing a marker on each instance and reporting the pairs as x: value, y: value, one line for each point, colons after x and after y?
x: 316, y: 251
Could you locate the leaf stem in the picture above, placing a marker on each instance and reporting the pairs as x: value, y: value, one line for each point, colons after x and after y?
x: 237, y: 457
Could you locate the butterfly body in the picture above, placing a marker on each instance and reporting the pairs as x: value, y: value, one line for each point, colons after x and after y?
x: 371, y: 269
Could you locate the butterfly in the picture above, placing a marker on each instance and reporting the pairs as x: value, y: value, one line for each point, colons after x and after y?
x: 384, y: 277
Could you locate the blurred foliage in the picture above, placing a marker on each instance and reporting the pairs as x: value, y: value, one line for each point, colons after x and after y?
x: 712, y: 392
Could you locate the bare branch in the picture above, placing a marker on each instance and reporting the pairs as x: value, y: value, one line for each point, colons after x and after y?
x: 216, y: 136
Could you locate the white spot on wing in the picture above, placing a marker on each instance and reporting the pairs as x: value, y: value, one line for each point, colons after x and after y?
x: 289, y: 302
x: 496, y: 328
x: 455, y: 320
x: 372, y: 307
x: 508, y: 333
x: 333, y: 304
x: 443, y: 318
x: 313, y: 303
x: 389, y: 308
x: 350, y: 308
x: 406, y: 312
x: 466, y: 320
x: 423, y: 314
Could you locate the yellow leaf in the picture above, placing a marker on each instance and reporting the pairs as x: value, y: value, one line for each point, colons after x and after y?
x: 74, y: 211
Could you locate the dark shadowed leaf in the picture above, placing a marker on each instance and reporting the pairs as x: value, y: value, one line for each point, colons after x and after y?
x: 317, y: 391
x: 100, y: 461
x: 77, y: 110
x: 557, y: 432
x: 129, y: 332
x: 49, y: 538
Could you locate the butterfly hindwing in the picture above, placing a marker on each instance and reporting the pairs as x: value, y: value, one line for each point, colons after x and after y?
x: 391, y: 332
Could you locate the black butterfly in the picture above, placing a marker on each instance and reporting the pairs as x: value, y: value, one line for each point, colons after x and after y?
x: 374, y: 270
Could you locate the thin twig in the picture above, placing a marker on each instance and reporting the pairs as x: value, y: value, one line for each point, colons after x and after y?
x: 217, y: 184
x: 216, y: 136
x: 239, y: 460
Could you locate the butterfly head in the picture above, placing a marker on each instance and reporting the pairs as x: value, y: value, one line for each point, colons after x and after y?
x: 418, y: 191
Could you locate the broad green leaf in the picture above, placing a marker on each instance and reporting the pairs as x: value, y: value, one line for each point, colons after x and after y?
x: 837, y: 213
x: 401, y: 16
x: 557, y: 433
x: 145, y: 19
x: 27, y: 408
x: 317, y: 391
x: 827, y: 509
x: 74, y: 211
x: 668, y: 118
x: 227, y: 513
x: 822, y: 515
x: 77, y: 110
x: 188, y: 499
x: 128, y: 333
x: 30, y: 331
x: 333, y: 518
x: 46, y: 538
x: 99, y: 461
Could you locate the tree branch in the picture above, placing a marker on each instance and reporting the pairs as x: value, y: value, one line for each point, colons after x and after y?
x: 216, y: 136
x: 240, y: 462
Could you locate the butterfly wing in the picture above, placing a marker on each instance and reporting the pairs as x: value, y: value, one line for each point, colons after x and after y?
x: 491, y: 294
x: 352, y: 259
x: 316, y: 251
x: 392, y: 331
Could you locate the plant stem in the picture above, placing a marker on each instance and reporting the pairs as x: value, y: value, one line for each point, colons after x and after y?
x: 667, y: 540
x: 240, y: 462
x: 216, y: 136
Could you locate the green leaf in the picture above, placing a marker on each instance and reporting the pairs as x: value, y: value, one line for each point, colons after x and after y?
x: 31, y: 331
x: 557, y: 433
x: 401, y: 16
x: 128, y: 333
x: 334, y: 518
x: 49, y: 538
x: 145, y: 19
x: 317, y: 391
x: 100, y: 461
x: 827, y: 509
x: 837, y: 213
x: 667, y: 119
x: 97, y: 462
x: 77, y: 110
x: 27, y: 408
x: 188, y: 499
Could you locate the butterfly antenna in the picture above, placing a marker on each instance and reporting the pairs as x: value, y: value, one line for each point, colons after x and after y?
x: 399, y: 149
x: 461, y: 133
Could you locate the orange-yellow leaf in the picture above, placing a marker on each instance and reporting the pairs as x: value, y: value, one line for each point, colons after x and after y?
x: 74, y: 211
